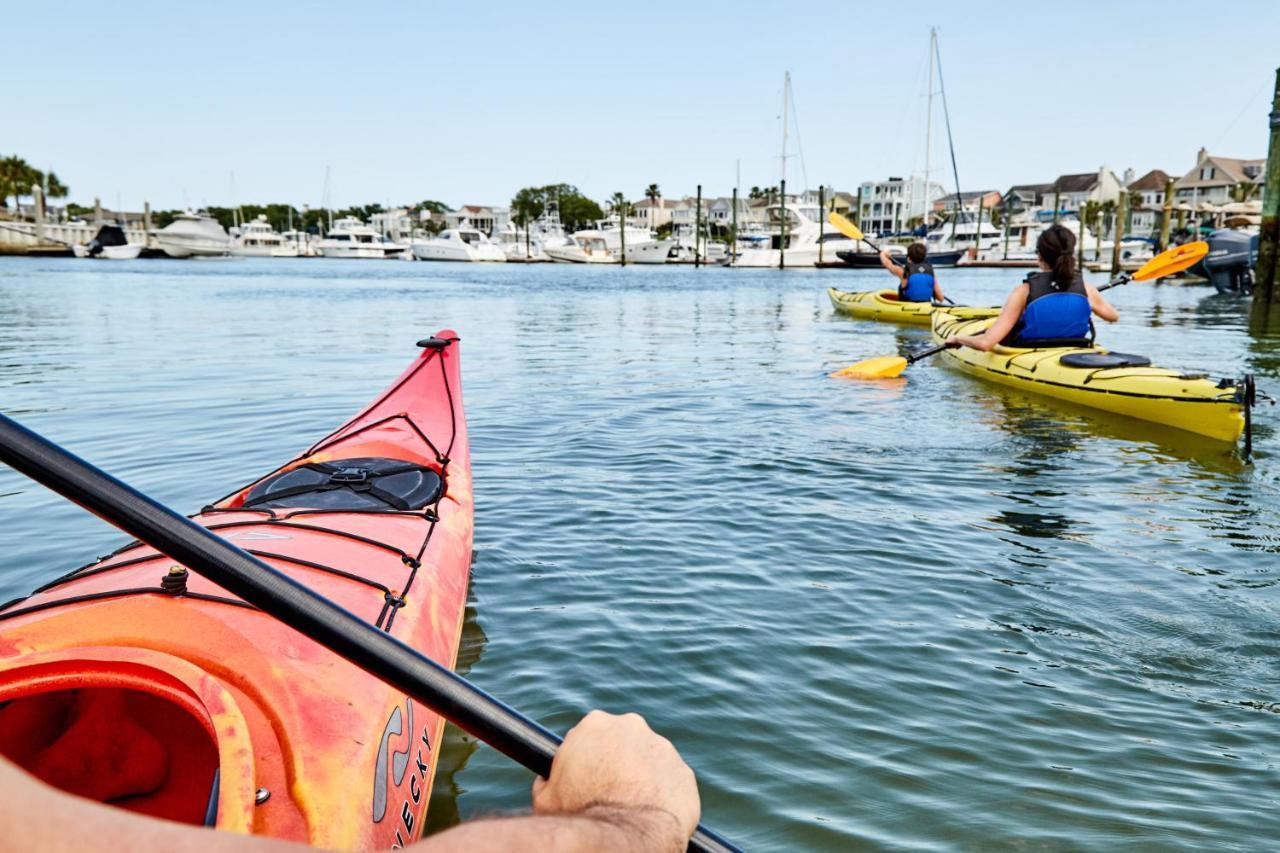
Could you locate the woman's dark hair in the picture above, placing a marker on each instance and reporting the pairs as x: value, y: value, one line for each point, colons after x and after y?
x: 1057, y: 248
x: 916, y: 253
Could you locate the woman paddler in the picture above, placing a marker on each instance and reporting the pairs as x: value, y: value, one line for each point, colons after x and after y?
x: 1053, y: 307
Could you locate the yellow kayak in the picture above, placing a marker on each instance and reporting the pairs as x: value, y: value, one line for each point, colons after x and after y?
x: 1101, y: 379
x: 881, y: 305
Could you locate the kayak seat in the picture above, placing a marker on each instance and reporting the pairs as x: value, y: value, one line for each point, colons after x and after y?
x: 1096, y: 360
x: 349, y: 484
x: 121, y: 746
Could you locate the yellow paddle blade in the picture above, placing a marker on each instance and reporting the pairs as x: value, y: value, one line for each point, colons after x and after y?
x: 844, y: 226
x: 880, y: 367
x: 1172, y: 260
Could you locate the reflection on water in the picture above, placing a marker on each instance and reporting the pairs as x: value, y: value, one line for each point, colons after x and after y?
x: 457, y: 746
x: 927, y: 613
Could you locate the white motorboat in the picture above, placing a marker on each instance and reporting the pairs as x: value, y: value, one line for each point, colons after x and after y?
x: 110, y: 243
x: 259, y: 240
x: 641, y: 246
x: 585, y: 247
x: 963, y: 235
x: 351, y: 238
x: 605, y: 246
x: 297, y: 244
x: 803, y: 236
x: 459, y: 244
x: 193, y: 235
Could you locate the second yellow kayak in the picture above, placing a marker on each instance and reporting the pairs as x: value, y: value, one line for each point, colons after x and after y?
x: 880, y: 305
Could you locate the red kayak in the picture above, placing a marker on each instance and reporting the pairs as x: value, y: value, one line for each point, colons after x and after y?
x: 137, y: 683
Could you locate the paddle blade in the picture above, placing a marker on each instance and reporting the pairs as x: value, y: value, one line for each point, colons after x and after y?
x: 1172, y: 260
x: 880, y: 367
x: 844, y: 226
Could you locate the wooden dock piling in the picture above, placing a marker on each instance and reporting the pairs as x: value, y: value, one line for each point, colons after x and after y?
x: 1267, y: 275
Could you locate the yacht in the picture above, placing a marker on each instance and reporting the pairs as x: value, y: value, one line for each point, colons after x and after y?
x: 584, y: 247
x: 962, y: 236
x: 110, y: 243
x: 459, y: 244
x: 193, y: 235
x: 642, y: 247
x: 803, y: 236
x: 528, y: 248
x: 258, y: 239
x: 298, y: 244
x: 351, y: 238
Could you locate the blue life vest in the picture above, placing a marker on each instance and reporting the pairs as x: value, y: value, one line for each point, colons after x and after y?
x: 917, y: 282
x: 1052, y: 315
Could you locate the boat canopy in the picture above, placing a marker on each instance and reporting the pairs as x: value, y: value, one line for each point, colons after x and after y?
x: 111, y: 235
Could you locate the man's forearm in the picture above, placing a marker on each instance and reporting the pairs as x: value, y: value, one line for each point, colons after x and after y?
x: 603, y: 827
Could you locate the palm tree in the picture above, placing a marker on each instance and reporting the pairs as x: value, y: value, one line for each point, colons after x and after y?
x: 652, y: 192
x: 54, y: 188
x: 618, y: 202
x: 16, y: 178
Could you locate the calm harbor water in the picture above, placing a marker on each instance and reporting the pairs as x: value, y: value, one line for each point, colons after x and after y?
x: 922, y: 614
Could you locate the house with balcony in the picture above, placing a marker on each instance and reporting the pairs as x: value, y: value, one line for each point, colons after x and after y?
x: 889, y: 205
x: 1218, y: 180
x: 482, y: 217
x: 720, y: 213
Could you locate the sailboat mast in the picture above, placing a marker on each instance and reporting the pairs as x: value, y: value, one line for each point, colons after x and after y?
x: 928, y: 118
x: 786, y: 89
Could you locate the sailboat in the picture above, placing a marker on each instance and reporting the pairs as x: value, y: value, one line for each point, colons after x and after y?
x: 798, y: 240
x: 947, y: 242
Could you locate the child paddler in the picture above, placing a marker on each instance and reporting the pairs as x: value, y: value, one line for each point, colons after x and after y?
x: 917, y: 282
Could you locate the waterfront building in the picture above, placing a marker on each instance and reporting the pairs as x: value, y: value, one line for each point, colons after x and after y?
x: 1146, y: 203
x: 953, y: 202
x: 1220, y: 180
x: 1074, y: 191
x: 889, y: 205
x: 1025, y: 198
x: 651, y: 213
x: 397, y: 225
x: 482, y: 217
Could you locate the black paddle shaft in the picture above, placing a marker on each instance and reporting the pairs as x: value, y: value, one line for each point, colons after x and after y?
x: 333, y: 627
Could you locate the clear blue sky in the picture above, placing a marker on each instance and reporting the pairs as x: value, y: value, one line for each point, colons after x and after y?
x: 467, y: 102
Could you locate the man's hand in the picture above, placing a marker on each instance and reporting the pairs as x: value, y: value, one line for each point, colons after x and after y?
x: 617, y: 769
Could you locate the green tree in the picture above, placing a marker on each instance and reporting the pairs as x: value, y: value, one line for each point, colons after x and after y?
x: 437, y: 207
x: 1108, y: 211
x: 652, y: 193
x: 16, y: 178
x: 618, y: 204
x: 527, y: 205
x: 577, y: 211
x: 54, y: 188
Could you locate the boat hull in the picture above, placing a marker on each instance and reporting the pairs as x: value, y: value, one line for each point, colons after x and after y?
x: 110, y: 253
x: 1189, y: 402
x: 306, y: 746
x: 431, y: 251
